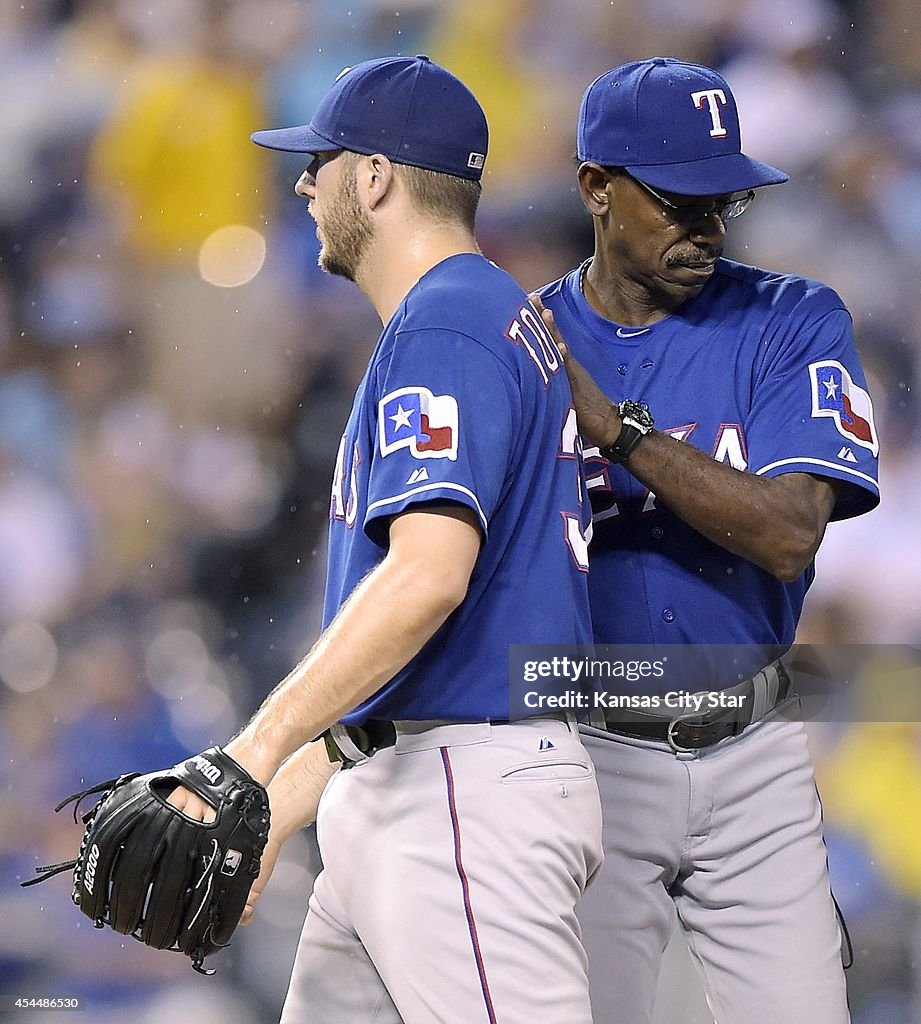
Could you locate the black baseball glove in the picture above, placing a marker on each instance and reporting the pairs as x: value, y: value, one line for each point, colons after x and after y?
x: 147, y: 870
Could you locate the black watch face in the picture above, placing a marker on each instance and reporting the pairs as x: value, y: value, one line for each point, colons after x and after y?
x: 636, y: 412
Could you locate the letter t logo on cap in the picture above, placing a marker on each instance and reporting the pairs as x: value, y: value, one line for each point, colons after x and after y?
x: 710, y: 97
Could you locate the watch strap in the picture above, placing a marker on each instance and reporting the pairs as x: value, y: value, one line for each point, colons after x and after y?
x: 636, y: 423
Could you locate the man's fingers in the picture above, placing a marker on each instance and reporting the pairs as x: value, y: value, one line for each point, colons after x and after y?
x: 179, y: 798
x: 269, y: 859
x: 247, y: 916
x: 192, y: 805
x: 550, y: 323
x: 598, y: 419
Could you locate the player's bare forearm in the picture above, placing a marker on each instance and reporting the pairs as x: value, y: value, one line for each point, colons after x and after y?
x: 775, y: 522
x: 296, y: 788
x: 387, y: 619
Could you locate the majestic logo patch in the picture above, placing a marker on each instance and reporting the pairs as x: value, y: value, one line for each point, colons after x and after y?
x: 476, y: 160
x: 416, y: 419
x: 834, y: 394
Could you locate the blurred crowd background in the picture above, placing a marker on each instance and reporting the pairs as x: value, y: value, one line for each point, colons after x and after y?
x: 175, y: 373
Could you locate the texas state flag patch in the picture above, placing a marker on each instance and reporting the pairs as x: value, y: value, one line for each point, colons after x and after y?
x: 416, y: 419
x: 834, y: 394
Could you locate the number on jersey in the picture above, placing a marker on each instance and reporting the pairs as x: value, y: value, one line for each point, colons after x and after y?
x: 576, y: 538
x: 340, y: 507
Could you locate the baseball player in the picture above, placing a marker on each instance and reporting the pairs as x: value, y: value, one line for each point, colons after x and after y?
x: 455, y: 843
x: 742, y: 426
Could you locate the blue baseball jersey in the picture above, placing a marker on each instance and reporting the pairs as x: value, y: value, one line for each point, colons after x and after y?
x: 759, y: 370
x: 465, y: 401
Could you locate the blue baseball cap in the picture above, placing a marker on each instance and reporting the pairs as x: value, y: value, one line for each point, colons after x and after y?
x: 672, y: 125
x: 407, y: 108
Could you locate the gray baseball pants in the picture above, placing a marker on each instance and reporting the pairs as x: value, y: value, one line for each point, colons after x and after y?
x: 731, y: 837
x: 453, y: 862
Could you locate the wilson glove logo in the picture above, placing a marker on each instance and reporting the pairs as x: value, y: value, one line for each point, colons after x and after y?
x: 210, y: 771
x: 92, y: 861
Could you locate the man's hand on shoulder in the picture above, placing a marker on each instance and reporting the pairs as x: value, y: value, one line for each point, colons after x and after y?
x: 598, y: 418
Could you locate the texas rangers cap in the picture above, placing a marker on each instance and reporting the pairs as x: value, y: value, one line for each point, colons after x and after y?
x: 407, y: 108
x: 672, y: 125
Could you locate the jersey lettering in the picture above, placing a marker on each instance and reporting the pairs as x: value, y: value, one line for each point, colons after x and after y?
x: 679, y: 434
x: 529, y: 330
x: 730, y: 446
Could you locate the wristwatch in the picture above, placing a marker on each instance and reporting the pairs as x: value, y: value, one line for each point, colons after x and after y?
x: 637, y: 423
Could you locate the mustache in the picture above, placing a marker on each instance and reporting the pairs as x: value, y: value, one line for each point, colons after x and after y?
x: 693, y: 255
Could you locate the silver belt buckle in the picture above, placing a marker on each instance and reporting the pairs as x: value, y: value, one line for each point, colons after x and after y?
x: 670, y: 735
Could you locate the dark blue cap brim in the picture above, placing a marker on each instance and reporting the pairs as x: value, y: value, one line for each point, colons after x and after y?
x: 714, y: 176
x: 300, y: 139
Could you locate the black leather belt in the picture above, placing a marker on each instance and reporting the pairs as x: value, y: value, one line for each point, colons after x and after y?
x: 693, y: 731
x: 353, y: 743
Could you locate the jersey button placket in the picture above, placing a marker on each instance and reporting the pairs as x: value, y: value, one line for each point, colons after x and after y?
x: 668, y: 614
